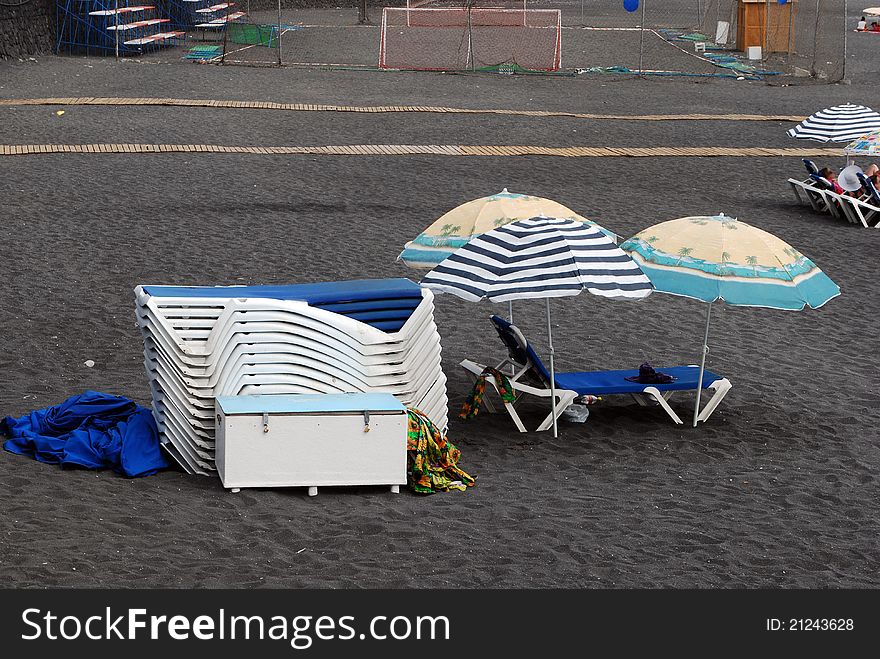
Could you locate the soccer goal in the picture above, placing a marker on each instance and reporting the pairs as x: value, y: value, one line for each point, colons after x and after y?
x: 459, y: 38
x: 473, y: 4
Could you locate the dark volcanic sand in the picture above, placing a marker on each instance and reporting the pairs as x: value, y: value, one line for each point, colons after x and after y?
x: 780, y: 488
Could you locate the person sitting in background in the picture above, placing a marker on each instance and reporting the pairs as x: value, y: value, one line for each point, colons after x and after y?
x: 862, y: 26
x: 829, y: 175
x: 872, y: 173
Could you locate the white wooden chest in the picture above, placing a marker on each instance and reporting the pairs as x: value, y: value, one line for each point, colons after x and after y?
x: 311, y: 440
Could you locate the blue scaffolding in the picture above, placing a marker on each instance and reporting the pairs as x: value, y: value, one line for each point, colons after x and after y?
x: 202, y: 14
x: 102, y: 27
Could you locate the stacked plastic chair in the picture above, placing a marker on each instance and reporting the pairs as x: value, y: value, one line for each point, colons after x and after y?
x: 333, y: 337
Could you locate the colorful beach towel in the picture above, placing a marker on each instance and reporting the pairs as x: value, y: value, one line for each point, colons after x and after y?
x: 91, y: 430
x: 432, y: 459
x: 471, y: 406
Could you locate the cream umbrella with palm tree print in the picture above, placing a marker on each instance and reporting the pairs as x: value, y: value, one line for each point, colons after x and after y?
x: 463, y: 223
x: 459, y: 226
x: 717, y: 258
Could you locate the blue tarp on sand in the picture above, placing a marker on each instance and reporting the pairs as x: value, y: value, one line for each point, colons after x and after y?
x: 91, y: 430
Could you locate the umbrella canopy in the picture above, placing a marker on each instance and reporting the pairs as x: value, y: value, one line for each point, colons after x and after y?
x: 871, y: 11
x: 864, y: 145
x: 717, y: 258
x: 840, y: 123
x: 455, y: 228
x: 539, y: 258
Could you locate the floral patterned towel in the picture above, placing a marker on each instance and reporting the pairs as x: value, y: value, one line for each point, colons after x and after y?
x: 471, y: 406
x: 432, y: 459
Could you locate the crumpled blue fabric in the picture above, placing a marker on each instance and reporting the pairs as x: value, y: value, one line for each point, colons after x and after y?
x: 91, y: 430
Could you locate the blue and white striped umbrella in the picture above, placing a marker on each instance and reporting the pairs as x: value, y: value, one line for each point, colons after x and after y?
x: 841, y: 123
x: 539, y: 257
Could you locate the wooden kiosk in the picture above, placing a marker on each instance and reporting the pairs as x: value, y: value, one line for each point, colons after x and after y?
x: 765, y: 23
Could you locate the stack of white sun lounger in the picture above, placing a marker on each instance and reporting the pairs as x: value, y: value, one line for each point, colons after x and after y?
x: 334, y: 337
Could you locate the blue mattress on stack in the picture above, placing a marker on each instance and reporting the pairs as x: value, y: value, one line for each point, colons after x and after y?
x: 385, y: 304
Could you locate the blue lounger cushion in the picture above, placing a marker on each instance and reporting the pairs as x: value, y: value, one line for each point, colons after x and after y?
x: 824, y: 182
x: 328, y: 292
x: 599, y: 383
x: 387, y: 325
x: 389, y: 314
x: 607, y: 383
x: 372, y: 305
x: 869, y: 188
x: 384, y: 304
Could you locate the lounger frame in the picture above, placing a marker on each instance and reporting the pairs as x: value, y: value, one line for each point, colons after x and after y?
x: 565, y: 397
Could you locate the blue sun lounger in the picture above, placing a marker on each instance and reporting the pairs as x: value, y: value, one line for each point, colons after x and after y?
x: 811, y: 187
x: 530, y: 376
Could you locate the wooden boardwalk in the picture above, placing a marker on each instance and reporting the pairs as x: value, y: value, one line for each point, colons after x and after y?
x: 306, y: 107
x: 429, y: 150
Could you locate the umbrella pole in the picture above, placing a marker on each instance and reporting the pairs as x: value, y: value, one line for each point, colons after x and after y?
x: 702, y: 365
x: 641, y: 36
x: 510, y: 312
x: 552, y: 370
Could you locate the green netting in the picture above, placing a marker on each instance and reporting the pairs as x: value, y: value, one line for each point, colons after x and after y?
x: 511, y: 68
x: 203, y: 52
x: 249, y: 34
x: 695, y: 36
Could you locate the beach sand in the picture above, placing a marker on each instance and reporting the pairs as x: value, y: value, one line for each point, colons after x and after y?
x: 778, y: 489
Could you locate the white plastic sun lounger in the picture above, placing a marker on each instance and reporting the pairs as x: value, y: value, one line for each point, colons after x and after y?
x: 349, y: 337
x: 532, y: 378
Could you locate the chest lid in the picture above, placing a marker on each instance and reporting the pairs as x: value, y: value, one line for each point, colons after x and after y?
x: 354, y: 403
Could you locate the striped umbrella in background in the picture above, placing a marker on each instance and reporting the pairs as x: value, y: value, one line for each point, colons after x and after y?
x: 538, y: 258
x: 841, y: 123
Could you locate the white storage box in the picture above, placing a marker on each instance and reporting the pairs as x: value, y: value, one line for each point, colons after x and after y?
x: 311, y: 440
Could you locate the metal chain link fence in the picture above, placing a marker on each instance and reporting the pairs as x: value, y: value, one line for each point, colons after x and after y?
x: 755, y: 39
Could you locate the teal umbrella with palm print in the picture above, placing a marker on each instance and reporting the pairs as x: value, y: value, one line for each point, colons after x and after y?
x: 719, y: 259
